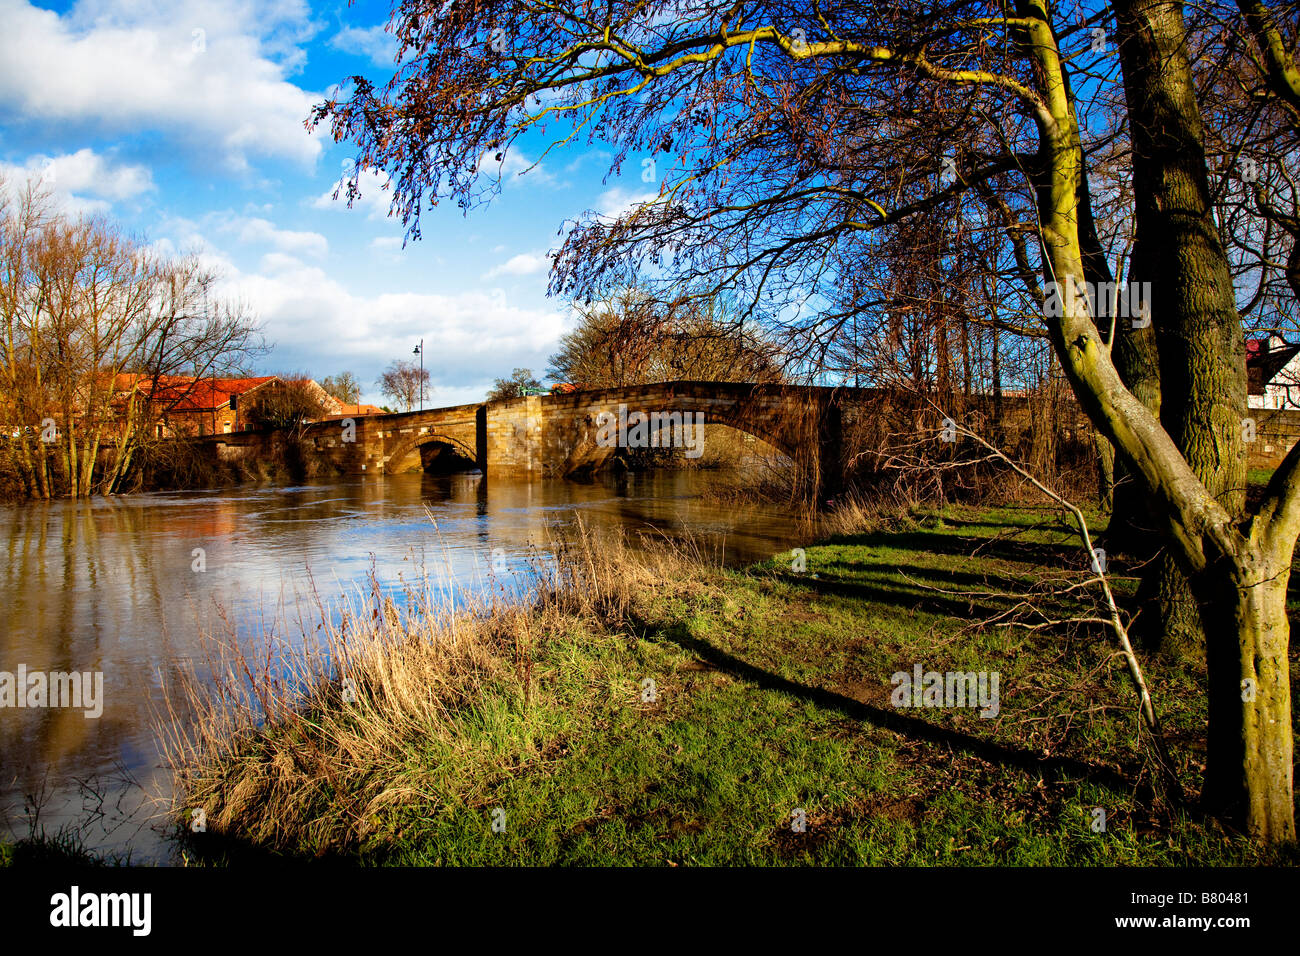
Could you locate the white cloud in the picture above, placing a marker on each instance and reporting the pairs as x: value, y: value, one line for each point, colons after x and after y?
x: 591, y: 155
x: 181, y: 236
x: 82, y: 182
x: 374, y: 198
x: 526, y: 263
x: 614, y: 202
x: 85, y: 171
x: 278, y: 263
x: 210, y: 74
x: 319, y: 325
x: 263, y: 231
x: 514, y: 168
x: 373, y: 42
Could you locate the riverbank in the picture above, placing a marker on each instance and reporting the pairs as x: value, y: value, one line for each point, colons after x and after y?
x: 656, y: 709
x: 63, y: 848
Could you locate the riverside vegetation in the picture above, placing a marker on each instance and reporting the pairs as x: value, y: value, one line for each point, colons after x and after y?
x: 648, y: 706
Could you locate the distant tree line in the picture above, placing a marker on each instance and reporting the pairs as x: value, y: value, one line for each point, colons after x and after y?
x: 91, y: 320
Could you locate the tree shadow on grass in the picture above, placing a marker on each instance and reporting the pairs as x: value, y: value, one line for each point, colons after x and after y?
x: 999, y: 565
x: 905, y: 725
x: 1032, y: 553
x: 910, y: 600
x: 966, y: 596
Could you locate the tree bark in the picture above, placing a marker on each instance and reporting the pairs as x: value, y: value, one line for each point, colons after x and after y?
x: 1242, y: 566
x: 1105, y: 474
x: 1199, y: 344
x: 1250, y: 750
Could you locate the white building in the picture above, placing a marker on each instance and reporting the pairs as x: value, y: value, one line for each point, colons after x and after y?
x: 1272, y: 373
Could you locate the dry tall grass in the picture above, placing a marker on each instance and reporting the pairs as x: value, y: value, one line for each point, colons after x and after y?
x: 305, y: 738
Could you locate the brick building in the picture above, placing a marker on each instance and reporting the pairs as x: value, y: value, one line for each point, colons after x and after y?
x: 186, y: 406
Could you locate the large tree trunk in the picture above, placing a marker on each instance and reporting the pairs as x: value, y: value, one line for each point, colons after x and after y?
x: 1201, y: 351
x: 1243, y: 567
x: 1132, y: 531
x: 1105, y: 474
x: 1171, y: 619
x: 1249, y: 766
x: 1097, y: 270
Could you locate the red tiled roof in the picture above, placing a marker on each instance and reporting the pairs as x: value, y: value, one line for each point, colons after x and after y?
x: 183, y: 393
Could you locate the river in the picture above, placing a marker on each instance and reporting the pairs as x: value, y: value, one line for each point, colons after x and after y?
x: 124, y: 587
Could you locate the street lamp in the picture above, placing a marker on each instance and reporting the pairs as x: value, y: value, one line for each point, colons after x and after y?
x: 419, y: 350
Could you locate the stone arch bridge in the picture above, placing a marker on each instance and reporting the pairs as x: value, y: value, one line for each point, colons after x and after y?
x: 560, y: 435
x: 566, y: 435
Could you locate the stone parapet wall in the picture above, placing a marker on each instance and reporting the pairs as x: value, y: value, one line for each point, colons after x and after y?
x: 555, y: 435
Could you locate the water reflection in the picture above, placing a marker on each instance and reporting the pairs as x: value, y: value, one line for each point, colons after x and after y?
x: 123, y: 586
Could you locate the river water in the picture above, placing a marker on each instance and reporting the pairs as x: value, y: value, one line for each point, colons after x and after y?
x: 124, y: 586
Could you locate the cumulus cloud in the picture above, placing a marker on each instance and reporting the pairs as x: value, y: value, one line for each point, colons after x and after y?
x: 526, y: 263
x: 614, y: 202
x: 319, y: 325
x: 374, y: 199
x: 514, y: 168
x: 211, y: 75
x: 278, y: 263
x: 265, y: 232
x: 82, y: 182
x: 375, y: 186
x: 85, y: 171
x: 373, y: 42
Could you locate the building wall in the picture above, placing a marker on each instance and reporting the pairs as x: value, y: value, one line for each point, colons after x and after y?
x: 217, y: 421
x: 1284, y: 390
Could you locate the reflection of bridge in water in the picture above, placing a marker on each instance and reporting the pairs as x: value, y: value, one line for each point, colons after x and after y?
x: 559, y: 435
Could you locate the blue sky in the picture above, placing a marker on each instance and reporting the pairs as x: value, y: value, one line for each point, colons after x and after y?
x: 184, y: 121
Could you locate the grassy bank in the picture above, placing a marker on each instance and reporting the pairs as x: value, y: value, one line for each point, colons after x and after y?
x: 535, y: 736
x: 64, y: 847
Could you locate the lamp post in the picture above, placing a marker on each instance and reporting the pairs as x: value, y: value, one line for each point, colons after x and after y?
x: 419, y: 350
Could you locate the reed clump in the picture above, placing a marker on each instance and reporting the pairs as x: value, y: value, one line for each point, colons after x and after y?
x: 317, y: 737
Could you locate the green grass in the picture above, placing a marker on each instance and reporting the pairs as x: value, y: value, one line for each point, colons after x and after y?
x: 64, y: 847
x: 1259, y: 476
x: 772, y: 694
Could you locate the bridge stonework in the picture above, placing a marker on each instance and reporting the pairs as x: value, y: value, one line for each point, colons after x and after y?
x: 556, y: 435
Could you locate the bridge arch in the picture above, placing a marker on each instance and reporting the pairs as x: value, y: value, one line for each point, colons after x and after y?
x: 432, y: 451
x: 783, y: 421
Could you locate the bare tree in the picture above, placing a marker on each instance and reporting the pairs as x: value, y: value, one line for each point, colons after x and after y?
x: 627, y: 338
x: 402, y: 381
x: 92, y: 321
x: 343, y: 386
